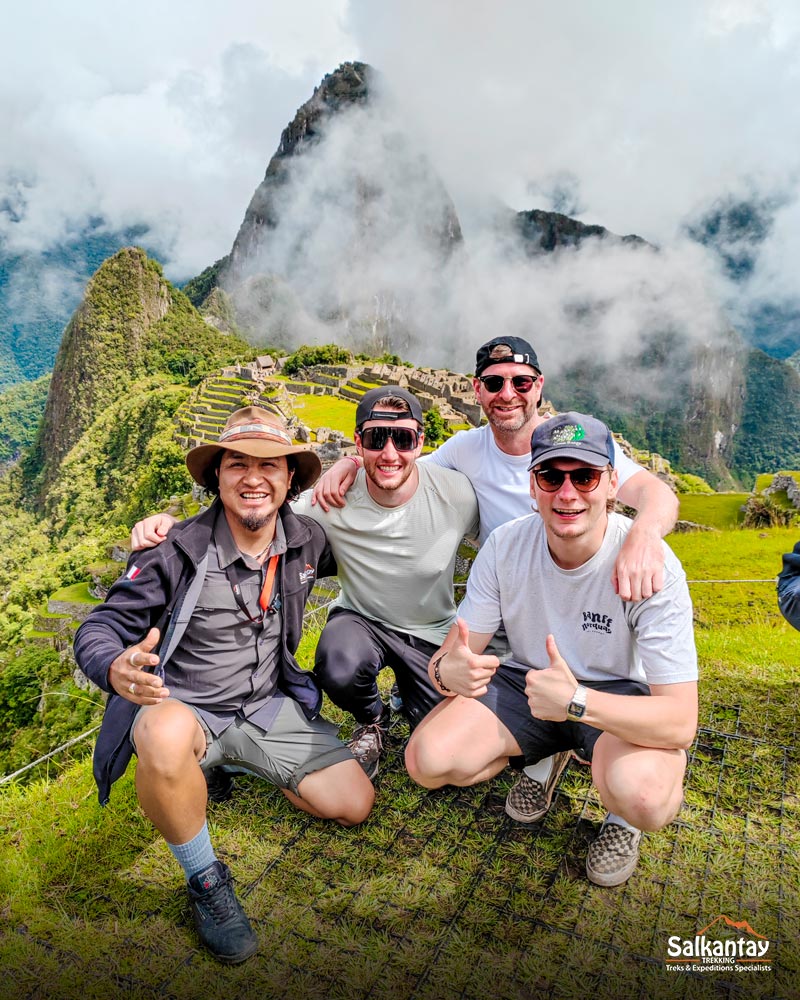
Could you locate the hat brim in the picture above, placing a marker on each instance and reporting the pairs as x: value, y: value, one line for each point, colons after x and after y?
x: 309, y: 468
x: 593, y: 458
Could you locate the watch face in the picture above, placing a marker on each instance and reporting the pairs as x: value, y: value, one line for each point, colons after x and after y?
x: 575, y: 709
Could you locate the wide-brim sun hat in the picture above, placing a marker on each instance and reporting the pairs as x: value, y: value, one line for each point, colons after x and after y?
x: 258, y: 433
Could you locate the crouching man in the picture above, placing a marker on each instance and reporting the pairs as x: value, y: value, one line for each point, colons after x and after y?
x: 613, y: 680
x: 195, y: 645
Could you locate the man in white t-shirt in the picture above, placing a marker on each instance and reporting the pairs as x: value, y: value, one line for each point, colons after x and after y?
x: 579, y: 652
x: 508, y: 384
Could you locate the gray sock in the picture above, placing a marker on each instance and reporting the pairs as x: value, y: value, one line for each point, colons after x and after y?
x: 196, y: 855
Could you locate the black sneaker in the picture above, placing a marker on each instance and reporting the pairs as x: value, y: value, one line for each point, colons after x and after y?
x: 218, y: 915
x: 219, y: 784
x: 367, y: 743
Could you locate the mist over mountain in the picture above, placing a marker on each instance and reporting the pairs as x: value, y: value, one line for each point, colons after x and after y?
x: 353, y: 238
x: 40, y: 290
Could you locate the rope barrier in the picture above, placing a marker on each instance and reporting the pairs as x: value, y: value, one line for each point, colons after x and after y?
x: 47, y: 756
x: 309, y: 614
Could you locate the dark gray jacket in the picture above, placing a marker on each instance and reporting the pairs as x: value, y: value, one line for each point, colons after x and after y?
x: 157, y: 591
x: 789, y: 587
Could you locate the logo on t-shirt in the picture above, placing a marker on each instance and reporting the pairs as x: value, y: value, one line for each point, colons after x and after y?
x: 593, y: 621
x: 307, y: 573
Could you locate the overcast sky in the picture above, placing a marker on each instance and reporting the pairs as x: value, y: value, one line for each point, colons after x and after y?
x: 634, y: 115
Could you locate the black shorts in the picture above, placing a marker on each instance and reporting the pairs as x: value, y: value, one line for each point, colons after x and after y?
x: 537, y: 738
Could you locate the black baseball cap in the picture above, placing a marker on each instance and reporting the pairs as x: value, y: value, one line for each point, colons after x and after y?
x: 369, y: 407
x: 505, y: 349
x: 572, y: 435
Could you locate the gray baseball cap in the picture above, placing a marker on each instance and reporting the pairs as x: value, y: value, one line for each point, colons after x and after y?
x: 572, y: 435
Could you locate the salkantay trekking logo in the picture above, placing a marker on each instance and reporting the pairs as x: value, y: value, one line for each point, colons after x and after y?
x: 593, y: 621
x: 742, y: 950
x: 307, y: 573
x: 567, y: 434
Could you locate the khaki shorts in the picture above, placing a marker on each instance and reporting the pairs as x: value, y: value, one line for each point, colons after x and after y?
x: 293, y: 747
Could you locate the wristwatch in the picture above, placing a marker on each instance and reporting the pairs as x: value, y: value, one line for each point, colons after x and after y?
x: 577, y: 706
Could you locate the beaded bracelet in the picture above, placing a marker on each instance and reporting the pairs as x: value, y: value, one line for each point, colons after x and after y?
x: 436, y: 675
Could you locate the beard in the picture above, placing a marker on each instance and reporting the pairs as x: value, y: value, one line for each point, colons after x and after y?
x: 255, y: 522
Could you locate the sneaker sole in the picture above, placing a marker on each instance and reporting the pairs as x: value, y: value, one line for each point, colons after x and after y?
x: 242, y: 956
x: 529, y: 818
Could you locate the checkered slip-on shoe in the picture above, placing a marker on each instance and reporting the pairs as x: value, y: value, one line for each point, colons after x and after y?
x: 528, y: 800
x: 613, y: 854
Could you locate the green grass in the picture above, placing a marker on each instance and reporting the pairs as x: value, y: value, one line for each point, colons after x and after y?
x: 78, y: 593
x: 326, y: 411
x: 716, y: 510
x: 439, y: 895
x: 765, y: 479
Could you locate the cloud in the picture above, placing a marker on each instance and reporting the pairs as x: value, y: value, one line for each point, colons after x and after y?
x: 362, y: 252
x: 150, y: 114
x: 635, y: 116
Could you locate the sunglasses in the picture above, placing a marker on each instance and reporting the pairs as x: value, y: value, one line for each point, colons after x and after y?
x: 375, y: 438
x: 494, y: 383
x: 584, y: 480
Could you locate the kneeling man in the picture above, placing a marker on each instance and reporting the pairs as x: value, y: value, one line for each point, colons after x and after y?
x: 196, y: 644
x: 613, y: 680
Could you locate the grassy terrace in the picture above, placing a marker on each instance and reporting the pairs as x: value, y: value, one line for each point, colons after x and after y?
x: 440, y: 895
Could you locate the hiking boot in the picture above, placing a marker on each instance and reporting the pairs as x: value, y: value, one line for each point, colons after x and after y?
x: 219, y: 784
x: 367, y: 743
x: 528, y: 800
x: 221, y: 922
x: 395, y: 699
x: 613, y: 854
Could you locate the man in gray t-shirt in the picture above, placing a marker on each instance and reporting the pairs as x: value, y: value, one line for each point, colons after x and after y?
x: 578, y: 654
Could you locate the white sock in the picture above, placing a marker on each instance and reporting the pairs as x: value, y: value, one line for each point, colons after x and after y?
x: 619, y: 821
x: 540, y: 771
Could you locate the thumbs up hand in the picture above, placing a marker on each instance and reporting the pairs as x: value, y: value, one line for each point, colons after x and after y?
x: 550, y: 690
x: 460, y: 670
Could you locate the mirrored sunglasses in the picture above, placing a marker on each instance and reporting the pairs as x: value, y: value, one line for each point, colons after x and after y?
x: 403, y: 438
x: 584, y: 480
x: 494, y: 383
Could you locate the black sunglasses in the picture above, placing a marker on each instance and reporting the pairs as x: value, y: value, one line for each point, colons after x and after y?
x: 494, y: 383
x: 375, y: 438
x: 584, y: 480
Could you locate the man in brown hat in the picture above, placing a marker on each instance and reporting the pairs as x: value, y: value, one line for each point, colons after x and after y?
x: 195, y: 646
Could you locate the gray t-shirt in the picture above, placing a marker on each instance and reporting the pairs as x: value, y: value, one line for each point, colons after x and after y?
x: 396, y: 563
x: 600, y: 636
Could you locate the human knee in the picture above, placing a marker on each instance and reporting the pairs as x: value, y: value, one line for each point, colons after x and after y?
x: 650, y: 800
x: 431, y: 763
x: 337, y: 666
x: 166, y: 737
x: 358, y: 805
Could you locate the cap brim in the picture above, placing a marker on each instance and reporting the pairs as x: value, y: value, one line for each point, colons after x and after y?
x: 309, y: 467
x: 592, y: 458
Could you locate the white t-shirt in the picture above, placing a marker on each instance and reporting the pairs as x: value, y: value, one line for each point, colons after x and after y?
x: 396, y: 563
x: 501, y: 482
x: 600, y: 636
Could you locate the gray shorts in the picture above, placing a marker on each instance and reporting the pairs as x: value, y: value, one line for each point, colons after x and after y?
x: 538, y: 738
x: 293, y: 747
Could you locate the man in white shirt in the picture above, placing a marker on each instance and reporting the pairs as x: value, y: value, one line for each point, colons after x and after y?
x: 579, y: 652
x: 508, y: 384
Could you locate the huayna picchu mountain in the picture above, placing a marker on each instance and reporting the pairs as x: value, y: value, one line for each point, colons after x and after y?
x: 131, y: 324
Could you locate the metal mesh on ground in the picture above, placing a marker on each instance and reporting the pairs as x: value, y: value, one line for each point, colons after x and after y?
x: 441, y: 895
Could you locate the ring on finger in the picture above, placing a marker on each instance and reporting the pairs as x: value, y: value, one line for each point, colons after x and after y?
x: 132, y: 687
x: 132, y: 659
